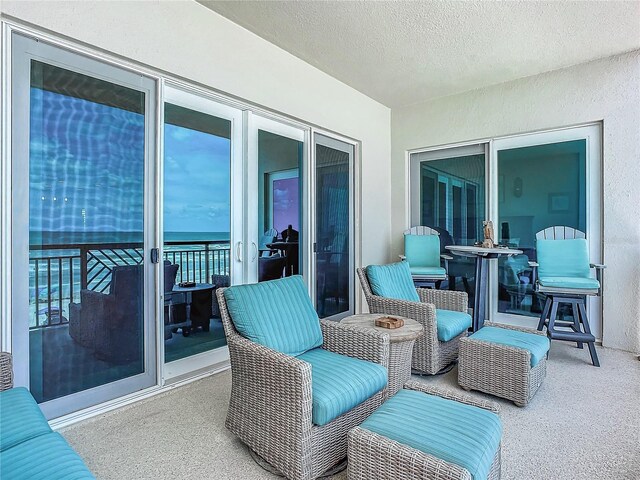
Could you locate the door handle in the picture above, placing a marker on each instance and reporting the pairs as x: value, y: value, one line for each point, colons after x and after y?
x: 255, y: 254
x: 238, y: 251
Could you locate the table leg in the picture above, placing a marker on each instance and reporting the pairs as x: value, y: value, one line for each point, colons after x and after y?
x: 187, y: 330
x: 480, y: 295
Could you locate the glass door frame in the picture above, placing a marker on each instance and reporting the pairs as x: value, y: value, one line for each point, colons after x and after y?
x: 198, y: 100
x: 319, y: 137
x: 592, y: 133
x: 278, y: 126
x: 24, y: 49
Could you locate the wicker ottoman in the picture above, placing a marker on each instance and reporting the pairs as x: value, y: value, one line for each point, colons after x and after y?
x: 505, y: 361
x: 427, y: 432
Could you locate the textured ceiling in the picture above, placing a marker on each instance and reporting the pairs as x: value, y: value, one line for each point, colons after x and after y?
x: 401, y: 53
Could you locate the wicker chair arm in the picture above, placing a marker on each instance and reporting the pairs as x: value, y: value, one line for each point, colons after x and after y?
x: 354, y: 341
x: 452, y: 395
x: 444, y: 299
x: 514, y: 327
x: 6, y: 371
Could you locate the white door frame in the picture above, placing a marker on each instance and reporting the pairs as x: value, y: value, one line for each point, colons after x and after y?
x: 188, y: 98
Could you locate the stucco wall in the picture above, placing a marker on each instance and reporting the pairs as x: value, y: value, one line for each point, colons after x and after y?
x: 606, y: 90
x: 187, y: 39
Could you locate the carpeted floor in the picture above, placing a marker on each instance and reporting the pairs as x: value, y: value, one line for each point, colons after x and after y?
x: 584, y: 423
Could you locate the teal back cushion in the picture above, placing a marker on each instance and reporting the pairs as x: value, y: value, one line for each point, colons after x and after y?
x: 422, y: 250
x: 563, y: 258
x: 392, y: 281
x: 277, y: 314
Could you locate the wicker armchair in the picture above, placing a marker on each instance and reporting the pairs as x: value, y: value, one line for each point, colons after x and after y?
x: 430, y: 355
x: 6, y: 371
x: 270, y: 408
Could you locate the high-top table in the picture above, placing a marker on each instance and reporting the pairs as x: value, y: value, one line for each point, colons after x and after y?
x: 482, y: 256
x: 401, y: 342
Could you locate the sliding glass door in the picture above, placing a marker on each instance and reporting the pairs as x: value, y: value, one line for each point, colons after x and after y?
x: 83, y: 296
x: 333, y: 245
x: 276, y: 245
x: 542, y: 180
x: 202, y: 194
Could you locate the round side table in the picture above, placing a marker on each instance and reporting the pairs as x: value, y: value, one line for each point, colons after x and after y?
x: 401, y: 342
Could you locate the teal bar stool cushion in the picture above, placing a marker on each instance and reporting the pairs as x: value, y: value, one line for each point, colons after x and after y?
x: 46, y: 457
x: 538, y: 345
x: 20, y: 418
x: 563, y: 258
x: 454, y: 432
x: 392, y: 281
x: 428, y: 271
x: 340, y: 383
x: 451, y: 324
x: 422, y: 250
x: 574, y: 283
x: 277, y: 314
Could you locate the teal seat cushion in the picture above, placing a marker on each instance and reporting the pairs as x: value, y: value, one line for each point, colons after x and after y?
x: 451, y: 324
x: 422, y: 250
x: 392, y: 281
x: 538, y: 345
x: 340, y: 383
x: 571, y: 283
x: 277, y: 314
x: 20, y: 418
x: 563, y: 258
x: 454, y: 432
x: 428, y: 271
x: 46, y: 457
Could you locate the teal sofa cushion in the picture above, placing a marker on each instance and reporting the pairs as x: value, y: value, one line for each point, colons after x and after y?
x: 46, y: 457
x: 428, y: 271
x: 454, y: 432
x: 563, y: 258
x: 277, y: 314
x: 20, y: 418
x: 538, y: 345
x: 570, y: 282
x: 340, y: 383
x: 422, y: 250
x: 451, y: 323
x: 392, y: 281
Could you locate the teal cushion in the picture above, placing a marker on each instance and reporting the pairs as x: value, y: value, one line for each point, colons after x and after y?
x: 47, y: 457
x: 451, y: 324
x: 340, y: 383
x: 392, y: 281
x: 454, y: 432
x: 422, y: 250
x: 570, y: 282
x: 538, y: 345
x: 277, y: 314
x: 428, y: 271
x: 563, y: 258
x: 20, y: 418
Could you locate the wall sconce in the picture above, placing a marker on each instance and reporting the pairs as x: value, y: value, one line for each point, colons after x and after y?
x: 517, y: 187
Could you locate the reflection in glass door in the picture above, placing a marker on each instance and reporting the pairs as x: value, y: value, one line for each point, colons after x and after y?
x: 275, y: 246
x: 201, y: 150
x: 81, y: 290
x: 333, y: 247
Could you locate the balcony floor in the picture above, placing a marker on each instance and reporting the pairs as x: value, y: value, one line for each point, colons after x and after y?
x: 584, y: 423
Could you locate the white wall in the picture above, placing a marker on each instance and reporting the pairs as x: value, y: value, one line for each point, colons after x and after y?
x: 606, y: 90
x: 186, y: 39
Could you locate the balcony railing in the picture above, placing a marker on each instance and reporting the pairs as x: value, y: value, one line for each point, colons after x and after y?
x: 57, y: 273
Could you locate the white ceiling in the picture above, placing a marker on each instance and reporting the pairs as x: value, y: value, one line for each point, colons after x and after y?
x: 401, y: 53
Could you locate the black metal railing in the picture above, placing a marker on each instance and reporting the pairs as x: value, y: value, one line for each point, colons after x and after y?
x: 59, y: 272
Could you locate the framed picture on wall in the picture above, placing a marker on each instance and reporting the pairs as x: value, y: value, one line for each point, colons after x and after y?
x: 559, y: 202
x: 283, y: 199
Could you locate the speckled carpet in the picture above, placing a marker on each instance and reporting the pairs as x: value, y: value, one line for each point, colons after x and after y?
x: 584, y: 423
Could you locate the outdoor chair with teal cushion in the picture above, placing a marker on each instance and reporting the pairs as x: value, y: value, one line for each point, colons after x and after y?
x: 422, y: 253
x: 443, y: 314
x: 563, y: 275
x: 299, y: 384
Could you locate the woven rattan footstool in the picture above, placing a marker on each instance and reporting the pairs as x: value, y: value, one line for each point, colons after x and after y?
x: 427, y: 432
x: 505, y: 361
